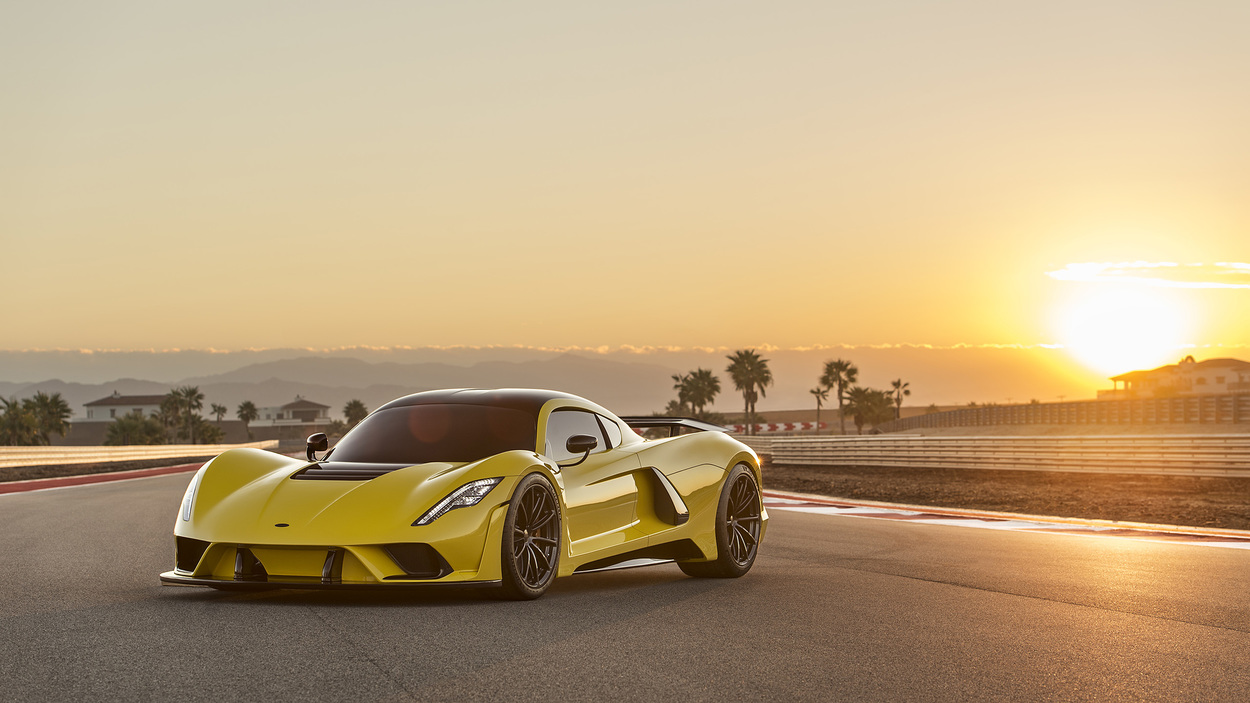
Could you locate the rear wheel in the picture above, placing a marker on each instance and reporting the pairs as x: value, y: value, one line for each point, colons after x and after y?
x: 738, y: 522
x: 531, y: 539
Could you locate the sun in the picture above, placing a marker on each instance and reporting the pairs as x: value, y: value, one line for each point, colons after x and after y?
x: 1121, y: 329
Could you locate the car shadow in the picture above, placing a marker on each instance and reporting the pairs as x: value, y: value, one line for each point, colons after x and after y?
x: 666, y: 581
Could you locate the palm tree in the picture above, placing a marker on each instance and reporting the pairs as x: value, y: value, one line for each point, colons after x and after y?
x: 681, y: 384
x: 695, y: 391
x: 170, y: 416
x: 207, y: 433
x: 219, y: 411
x: 840, y: 374
x: 51, y: 414
x: 900, y: 390
x: 868, y: 406
x: 134, y: 428
x: 750, y: 375
x: 18, y: 426
x: 705, y: 386
x: 354, y: 411
x: 191, y: 401
x: 247, y: 412
x: 822, y: 394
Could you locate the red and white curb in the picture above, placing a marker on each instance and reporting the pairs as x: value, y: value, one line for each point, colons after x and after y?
x: 986, y: 520
x: 43, y: 484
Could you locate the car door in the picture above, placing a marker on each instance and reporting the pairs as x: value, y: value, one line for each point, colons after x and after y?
x: 600, y: 493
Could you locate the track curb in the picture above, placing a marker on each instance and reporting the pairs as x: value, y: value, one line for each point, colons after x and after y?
x: 988, y: 514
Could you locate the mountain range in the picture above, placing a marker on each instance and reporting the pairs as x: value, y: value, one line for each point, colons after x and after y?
x: 626, y: 380
x: 625, y: 387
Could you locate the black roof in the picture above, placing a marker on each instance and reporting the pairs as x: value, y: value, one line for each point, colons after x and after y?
x: 529, y: 400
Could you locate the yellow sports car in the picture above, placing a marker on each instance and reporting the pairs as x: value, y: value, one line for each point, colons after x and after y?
x: 508, y: 487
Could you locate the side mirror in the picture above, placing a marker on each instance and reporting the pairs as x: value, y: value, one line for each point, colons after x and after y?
x: 317, y: 443
x: 582, y: 444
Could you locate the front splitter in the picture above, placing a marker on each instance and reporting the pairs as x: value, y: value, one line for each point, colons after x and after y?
x: 173, y: 578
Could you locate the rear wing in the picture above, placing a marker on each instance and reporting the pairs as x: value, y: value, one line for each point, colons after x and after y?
x: 674, y: 424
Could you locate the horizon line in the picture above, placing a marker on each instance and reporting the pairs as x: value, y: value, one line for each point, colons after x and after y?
x: 600, y: 349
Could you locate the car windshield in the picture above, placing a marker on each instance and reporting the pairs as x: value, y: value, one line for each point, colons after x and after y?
x: 416, y: 434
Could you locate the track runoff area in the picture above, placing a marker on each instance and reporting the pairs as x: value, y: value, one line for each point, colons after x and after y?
x: 821, y: 505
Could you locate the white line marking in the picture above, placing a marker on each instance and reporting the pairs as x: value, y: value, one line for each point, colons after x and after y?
x: 1054, y: 528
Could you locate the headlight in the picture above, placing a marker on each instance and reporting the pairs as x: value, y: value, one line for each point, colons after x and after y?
x: 469, y: 494
x: 188, y: 498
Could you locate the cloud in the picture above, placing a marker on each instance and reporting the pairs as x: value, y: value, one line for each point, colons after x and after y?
x: 1162, y: 274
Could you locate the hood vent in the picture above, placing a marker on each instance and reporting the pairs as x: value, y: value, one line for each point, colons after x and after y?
x: 345, y: 471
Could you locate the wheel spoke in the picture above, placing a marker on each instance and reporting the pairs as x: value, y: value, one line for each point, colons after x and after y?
x: 523, y: 511
x: 745, y: 534
x: 531, y: 506
x: 546, y: 518
x: 532, y: 563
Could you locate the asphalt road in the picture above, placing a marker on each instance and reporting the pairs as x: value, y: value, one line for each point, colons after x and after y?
x: 836, y: 608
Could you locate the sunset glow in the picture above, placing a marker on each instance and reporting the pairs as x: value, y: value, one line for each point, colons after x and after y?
x: 1116, y: 330
x: 613, y: 175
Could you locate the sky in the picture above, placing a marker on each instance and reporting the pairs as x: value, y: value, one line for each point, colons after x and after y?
x: 240, y: 175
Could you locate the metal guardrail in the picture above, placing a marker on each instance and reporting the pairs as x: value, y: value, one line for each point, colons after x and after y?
x: 39, y: 456
x: 761, y: 445
x: 1176, y: 455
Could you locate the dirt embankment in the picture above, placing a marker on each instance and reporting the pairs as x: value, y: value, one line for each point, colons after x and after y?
x: 1168, y: 500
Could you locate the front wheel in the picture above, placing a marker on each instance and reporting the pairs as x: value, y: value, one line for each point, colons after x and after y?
x: 531, y: 539
x: 738, y: 523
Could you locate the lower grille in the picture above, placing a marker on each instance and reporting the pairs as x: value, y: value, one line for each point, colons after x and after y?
x: 419, y: 561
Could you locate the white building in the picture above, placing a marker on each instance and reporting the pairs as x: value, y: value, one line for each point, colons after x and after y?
x: 117, y: 405
x: 298, y: 412
x: 1189, y: 377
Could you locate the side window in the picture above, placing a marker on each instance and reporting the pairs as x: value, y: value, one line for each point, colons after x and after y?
x: 613, y: 430
x: 563, y: 424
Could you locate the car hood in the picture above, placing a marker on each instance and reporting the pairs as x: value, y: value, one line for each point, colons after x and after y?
x: 277, y: 506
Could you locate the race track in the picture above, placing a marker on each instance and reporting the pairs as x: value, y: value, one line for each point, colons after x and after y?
x: 836, y: 608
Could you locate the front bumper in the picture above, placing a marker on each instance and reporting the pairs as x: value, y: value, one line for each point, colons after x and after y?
x: 173, y: 578
x: 461, y: 548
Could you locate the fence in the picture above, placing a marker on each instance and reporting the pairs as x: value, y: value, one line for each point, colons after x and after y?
x: 39, y: 456
x: 1182, y: 455
x: 1214, y: 409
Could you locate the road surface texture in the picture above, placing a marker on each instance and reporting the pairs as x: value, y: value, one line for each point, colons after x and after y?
x: 836, y: 608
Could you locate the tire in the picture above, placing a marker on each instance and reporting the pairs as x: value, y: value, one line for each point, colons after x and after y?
x: 531, y: 539
x: 738, y: 522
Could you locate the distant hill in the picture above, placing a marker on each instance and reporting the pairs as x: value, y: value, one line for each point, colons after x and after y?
x: 625, y: 379
x: 624, y: 387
